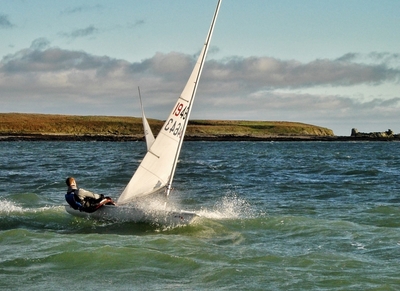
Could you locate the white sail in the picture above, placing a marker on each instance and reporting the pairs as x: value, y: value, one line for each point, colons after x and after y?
x: 148, y: 134
x: 158, y: 166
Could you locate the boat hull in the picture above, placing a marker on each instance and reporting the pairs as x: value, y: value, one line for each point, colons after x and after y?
x: 134, y: 214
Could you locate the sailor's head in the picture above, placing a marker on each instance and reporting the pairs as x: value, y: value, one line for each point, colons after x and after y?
x: 70, y: 182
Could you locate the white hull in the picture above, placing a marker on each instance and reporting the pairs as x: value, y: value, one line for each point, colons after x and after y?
x: 133, y: 214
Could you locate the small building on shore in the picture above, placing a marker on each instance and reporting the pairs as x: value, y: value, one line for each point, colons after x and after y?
x: 379, y: 135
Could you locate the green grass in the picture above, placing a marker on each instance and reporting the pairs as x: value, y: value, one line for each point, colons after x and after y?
x: 255, y: 128
x: 18, y: 123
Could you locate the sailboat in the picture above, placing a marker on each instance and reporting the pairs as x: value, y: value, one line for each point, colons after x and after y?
x: 157, y: 169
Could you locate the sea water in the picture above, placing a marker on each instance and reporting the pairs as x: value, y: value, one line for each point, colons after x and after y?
x: 274, y: 216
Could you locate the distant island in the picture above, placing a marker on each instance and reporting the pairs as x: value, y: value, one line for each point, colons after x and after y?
x: 21, y: 126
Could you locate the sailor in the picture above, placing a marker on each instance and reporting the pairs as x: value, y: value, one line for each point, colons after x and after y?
x: 83, y: 200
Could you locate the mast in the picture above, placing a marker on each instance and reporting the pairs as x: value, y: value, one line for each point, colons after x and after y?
x: 201, y: 60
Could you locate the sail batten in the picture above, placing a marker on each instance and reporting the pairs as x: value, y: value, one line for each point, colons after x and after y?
x: 154, y: 154
x: 158, y: 167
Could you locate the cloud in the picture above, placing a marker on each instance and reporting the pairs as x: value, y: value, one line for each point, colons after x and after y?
x: 88, y: 31
x: 275, y: 73
x: 54, y: 60
x: 244, y: 74
x: 390, y: 60
x: 237, y: 88
x: 40, y: 44
x: 5, y: 22
x: 137, y: 23
x: 80, y: 9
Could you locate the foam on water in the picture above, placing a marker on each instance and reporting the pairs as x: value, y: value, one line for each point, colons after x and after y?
x: 229, y: 207
x: 7, y: 207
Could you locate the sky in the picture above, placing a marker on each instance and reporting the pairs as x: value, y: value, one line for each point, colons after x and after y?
x: 331, y: 63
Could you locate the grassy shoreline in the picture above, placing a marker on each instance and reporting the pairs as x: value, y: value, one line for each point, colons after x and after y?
x: 69, y: 125
x: 22, y: 126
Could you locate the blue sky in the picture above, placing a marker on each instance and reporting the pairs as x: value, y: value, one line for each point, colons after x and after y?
x: 334, y: 64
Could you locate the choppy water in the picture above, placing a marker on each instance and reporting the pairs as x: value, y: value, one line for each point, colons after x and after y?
x: 275, y: 216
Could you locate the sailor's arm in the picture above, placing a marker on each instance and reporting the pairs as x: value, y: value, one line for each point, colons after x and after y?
x: 84, y: 193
